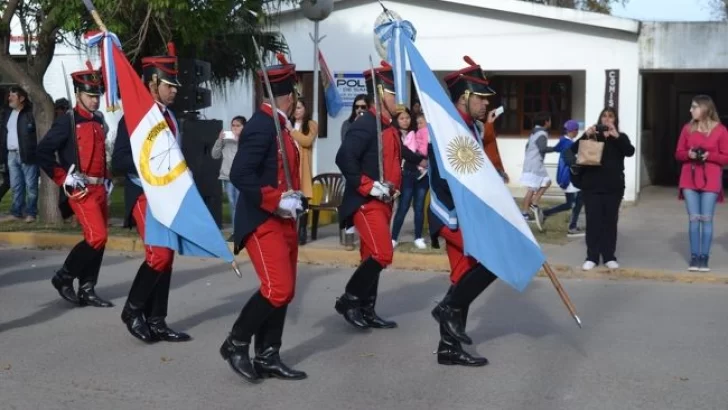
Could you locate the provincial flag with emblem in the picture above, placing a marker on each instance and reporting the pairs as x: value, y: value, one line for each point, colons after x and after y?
x: 177, y: 218
x: 493, y: 229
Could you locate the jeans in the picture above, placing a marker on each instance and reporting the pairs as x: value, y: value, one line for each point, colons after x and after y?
x: 602, y: 216
x: 412, y: 189
x: 23, y: 182
x: 232, y: 195
x: 701, y: 207
x: 573, y: 203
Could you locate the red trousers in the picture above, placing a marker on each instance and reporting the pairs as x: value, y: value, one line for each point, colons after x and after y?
x: 158, y: 258
x: 372, y: 221
x: 92, y: 212
x: 459, y: 263
x: 273, y: 250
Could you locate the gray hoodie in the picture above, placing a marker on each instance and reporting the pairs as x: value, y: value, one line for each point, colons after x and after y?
x: 225, y: 148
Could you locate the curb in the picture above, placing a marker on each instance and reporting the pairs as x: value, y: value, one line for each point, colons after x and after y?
x: 342, y: 258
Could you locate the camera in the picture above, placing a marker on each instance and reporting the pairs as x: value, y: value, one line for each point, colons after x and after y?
x: 601, y: 128
x: 699, y: 154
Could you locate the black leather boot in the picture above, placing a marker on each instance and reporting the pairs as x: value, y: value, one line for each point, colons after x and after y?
x: 237, y: 354
x: 438, y: 308
x: 350, y: 307
x: 450, y: 351
x: 350, y: 304
x: 73, y: 266
x: 472, y: 284
x: 235, y: 349
x: 156, y: 312
x: 87, y: 282
x: 268, y: 340
x: 63, y: 282
x: 369, y: 314
x: 133, y: 313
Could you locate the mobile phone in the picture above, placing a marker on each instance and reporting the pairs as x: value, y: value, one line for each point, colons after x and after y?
x: 228, y: 135
x: 499, y: 111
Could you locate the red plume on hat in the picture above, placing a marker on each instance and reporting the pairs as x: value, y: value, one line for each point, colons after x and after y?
x: 282, y: 59
x: 171, y: 49
x: 469, y: 60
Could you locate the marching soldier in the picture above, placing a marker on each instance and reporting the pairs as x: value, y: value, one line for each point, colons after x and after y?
x: 267, y: 210
x: 368, y: 197
x: 145, y: 310
x: 468, y: 90
x: 79, y: 139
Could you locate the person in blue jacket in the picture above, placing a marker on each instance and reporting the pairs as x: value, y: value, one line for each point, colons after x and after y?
x: 563, y: 178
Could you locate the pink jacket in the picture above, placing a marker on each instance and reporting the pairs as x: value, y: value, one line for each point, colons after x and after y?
x: 417, y: 142
x: 708, y: 176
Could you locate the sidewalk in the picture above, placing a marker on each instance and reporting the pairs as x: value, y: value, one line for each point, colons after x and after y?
x: 652, y: 244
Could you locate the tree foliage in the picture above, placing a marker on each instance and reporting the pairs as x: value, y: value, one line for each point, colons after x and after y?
x: 599, y: 6
x: 218, y: 31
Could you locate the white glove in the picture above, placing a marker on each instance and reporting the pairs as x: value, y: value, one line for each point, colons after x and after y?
x: 380, y: 191
x: 289, y: 206
x: 73, y: 179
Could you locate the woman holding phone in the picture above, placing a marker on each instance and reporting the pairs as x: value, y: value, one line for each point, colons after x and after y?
x: 226, y: 147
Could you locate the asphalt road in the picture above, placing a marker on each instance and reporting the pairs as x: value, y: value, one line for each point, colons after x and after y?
x: 644, y: 345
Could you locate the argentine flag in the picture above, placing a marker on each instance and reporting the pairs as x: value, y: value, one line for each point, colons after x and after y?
x: 493, y: 229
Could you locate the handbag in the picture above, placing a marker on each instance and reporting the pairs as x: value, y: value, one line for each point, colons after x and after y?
x: 590, y: 152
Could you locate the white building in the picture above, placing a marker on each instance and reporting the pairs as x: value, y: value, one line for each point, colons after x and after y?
x: 537, y: 57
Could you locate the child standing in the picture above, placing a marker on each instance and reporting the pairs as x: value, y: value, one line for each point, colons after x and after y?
x: 563, y: 178
x: 417, y: 142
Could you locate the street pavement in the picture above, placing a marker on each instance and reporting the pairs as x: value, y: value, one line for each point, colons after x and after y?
x: 644, y: 345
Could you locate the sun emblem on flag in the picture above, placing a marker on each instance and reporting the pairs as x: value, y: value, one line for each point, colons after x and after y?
x: 464, y: 154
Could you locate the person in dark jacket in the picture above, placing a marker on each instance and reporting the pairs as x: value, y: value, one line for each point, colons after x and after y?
x: 80, y: 143
x: 145, y: 310
x: 19, y: 139
x: 270, y: 202
x: 368, y: 196
x: 602, y: 189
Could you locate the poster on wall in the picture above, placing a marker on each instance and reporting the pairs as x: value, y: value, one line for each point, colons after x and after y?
x: 611, y: 90
x: 349, y: 86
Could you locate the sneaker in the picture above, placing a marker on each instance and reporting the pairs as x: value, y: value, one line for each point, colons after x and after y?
x: 575, y: 233
x: 420, y: 243
x: 612, y: 265
x: 29, y: 219
x: 703, y: 263
x: 588, y: 265
x: 694, y: 265
x: 538, y: 216
x: 394, y: 244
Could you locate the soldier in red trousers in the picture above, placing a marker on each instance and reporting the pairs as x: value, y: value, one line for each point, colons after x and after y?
x: 80, y: 141
x: 368, y: 198
x: 468, y: 90
x: 265, y: 225
x: 145, y: 310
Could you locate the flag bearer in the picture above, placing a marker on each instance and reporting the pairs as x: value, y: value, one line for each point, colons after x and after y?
x: 468, y: 90
x: 145, y: 310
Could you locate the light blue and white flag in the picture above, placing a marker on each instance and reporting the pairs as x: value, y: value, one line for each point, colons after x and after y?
x: 493, y: 228
x: 392, y: 34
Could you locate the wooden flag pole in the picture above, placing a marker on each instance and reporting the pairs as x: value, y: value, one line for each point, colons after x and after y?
x: 562, y: 293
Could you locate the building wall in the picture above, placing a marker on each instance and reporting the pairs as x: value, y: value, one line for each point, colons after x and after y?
x: 500, y: 42
x: 684, y: 46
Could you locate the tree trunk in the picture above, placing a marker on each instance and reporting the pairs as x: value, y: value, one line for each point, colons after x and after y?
x: 43, y: 111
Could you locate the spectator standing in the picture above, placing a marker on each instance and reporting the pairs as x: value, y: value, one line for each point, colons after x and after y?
x: 703, y: 151
x: 226, y: 147
x: 304, y: 131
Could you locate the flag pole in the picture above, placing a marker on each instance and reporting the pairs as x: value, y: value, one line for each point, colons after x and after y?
x: 562, y: 293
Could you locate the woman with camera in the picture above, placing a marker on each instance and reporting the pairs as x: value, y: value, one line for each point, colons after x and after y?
x: 602, y: 187
x: 703, y: 150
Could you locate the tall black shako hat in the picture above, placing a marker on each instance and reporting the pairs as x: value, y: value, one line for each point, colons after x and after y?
x: 469, y: 80
x: 282, y: 77
x: 383, y: 77
x: 88, y: 81
x: 162, y: 68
